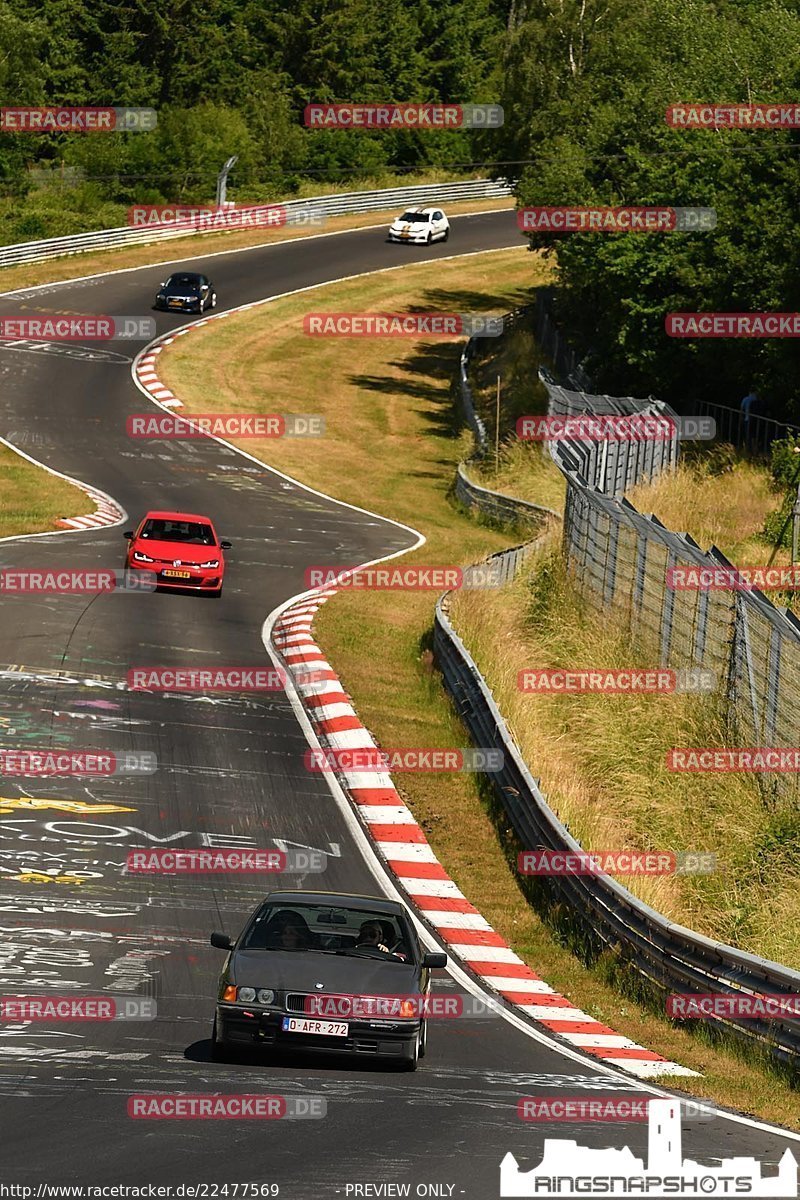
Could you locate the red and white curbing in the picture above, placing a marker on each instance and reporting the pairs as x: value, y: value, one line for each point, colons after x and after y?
x: 146, y: 367
x: 107, y: 512
x: 405, y: 849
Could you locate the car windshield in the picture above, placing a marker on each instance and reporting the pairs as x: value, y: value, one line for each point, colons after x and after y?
x: 419, y: 218
x: 184, y: 281
x: 194, y: 533
x: 355, y: 932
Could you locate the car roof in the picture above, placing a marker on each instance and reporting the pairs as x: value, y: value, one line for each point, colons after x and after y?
x: 176, y: 516
x: 415, y: 208
x: 186, y: 275
x: 346, y: 899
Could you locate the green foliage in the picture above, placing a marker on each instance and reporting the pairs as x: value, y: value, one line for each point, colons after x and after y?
x: 585, y: 94
x: 232, y: 77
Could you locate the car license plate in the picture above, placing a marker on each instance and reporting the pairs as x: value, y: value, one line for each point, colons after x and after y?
x: 175, y: 303
x: 178, y: 574
x: 307, y: 1025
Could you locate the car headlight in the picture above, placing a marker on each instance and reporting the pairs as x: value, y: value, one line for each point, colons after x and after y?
x: 247, y: 994
x: 265, y: 996
x: 212, y: 562
x: 139, y: 557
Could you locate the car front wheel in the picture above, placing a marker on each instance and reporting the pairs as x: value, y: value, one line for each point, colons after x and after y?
x: 220, y: 1051
x: 446, y: 234
x: 411, y: 1054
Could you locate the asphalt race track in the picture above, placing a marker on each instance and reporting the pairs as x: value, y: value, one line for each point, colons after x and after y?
x: 230, y: 773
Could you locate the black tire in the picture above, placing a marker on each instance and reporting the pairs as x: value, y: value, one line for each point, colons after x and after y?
x: 429, y: 240
x: 411, y: 1055
x: 446, y: 235
x: 221, y: 1052
x: 423, y: 1039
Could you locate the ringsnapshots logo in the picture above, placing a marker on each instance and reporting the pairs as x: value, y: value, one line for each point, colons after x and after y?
x: 202, y: 861
x: 570, y: 1169
x: 159, y: 1106
x: 404, y: 579
x: 412, y: 325
x: 208, y: 219
x: 62, y: 764
x: 206, y: 679
x: 732, y: 325
x: 371, y: 759
x: 733, y: 116
x: 403, y: 116
x: 77, y: 120
x: 224, y: 425
x: 615, y: 862
x: 614, y: 219
x: 56, y: 1009
x: 70, y: 582
x: 558, y: 682
x: 58, y: 328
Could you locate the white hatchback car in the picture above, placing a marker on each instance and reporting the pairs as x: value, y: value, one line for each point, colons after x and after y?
x: 420, y: 225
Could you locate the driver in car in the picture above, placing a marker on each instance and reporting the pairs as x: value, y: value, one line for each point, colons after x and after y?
x: 372, y: 936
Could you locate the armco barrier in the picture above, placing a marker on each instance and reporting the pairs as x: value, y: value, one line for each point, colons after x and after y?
x: 334, y: 205
x: 672, y: 958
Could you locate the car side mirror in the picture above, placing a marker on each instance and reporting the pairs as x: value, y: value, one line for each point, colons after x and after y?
x: 128, y: 535
x: 226, y: 545
x: 163, y: 283
x: 221, y: 941
x: 434, y: 960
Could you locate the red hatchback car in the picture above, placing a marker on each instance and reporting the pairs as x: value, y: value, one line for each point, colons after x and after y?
x: 181, y: 549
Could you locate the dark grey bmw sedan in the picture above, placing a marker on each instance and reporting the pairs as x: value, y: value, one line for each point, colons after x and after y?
x: 325, y: 971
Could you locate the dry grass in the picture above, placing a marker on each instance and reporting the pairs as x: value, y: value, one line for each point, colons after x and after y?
x: 726, y: 510
x: 32, y: 500
x: 390, y: 447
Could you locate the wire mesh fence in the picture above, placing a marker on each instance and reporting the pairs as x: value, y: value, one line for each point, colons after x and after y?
x: 708, y: 618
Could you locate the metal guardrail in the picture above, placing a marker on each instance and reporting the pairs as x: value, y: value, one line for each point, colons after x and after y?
x: 749, y: 431
x: 671, y: 957
x: 674, y: 959
x: 326, y: 206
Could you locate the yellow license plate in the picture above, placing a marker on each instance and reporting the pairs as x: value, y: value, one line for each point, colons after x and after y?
x: 178, y: 574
